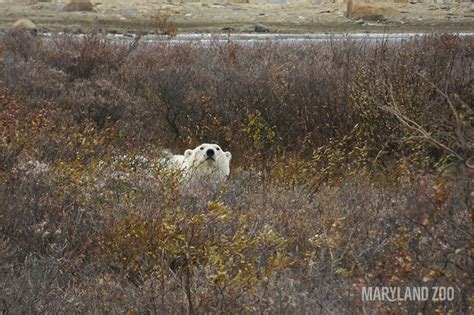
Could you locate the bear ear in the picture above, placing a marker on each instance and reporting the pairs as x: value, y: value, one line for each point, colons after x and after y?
x: 228, y: 155
x: 188, y: 153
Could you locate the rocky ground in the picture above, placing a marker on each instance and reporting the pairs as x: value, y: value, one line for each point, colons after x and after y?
x: 135, y: 16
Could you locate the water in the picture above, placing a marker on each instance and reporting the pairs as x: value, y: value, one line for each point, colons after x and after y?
x: 252, y: 38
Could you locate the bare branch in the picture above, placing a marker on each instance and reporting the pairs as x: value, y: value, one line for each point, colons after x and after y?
x: 413, y: 125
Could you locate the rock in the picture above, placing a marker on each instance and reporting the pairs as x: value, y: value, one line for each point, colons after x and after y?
x: 78, y: 5
x: 127, y: 13
x: 359, y: 21
x: 371, y: 13
x: 24, y: 25
x: 394, y: 20
x: 260, y: 28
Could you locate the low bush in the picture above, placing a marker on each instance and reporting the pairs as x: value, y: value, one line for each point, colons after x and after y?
x: 352, y: 167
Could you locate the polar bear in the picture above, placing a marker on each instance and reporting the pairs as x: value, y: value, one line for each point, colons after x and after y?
x: 207, y: 162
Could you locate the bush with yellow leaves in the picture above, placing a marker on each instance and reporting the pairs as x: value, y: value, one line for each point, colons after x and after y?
x: 216, y: 256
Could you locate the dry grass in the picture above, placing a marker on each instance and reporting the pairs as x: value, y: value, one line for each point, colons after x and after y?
x: 351, y: 168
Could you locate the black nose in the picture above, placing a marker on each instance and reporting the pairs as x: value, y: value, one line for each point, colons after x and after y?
x: 210, y: 152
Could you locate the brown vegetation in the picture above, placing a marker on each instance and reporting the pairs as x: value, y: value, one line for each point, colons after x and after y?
x: 351, y: 168
x: 164, y: 25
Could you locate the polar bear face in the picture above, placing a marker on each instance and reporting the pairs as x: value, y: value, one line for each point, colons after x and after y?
x: 206, y: 164
x: 208, y: 160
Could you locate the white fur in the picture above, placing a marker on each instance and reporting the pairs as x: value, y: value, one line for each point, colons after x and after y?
x: 198, y: 166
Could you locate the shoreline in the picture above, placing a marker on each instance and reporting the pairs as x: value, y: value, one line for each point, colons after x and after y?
x: 122, y: 18
x: 256, y: 37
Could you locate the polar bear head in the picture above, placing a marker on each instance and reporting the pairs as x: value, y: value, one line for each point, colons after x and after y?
x: 207, y: 160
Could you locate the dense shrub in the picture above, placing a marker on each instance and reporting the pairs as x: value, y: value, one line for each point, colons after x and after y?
x: 352, y: 167
x: 413, y: 112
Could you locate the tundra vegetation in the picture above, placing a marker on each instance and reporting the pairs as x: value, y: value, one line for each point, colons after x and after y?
x: 352, y: 167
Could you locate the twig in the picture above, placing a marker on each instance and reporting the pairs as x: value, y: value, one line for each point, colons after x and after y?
x: 411, y: 124
x: 451, y: 106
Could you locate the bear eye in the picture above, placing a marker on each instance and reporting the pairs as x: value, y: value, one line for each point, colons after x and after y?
x: 217, y: 149
x: 202, y: 148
